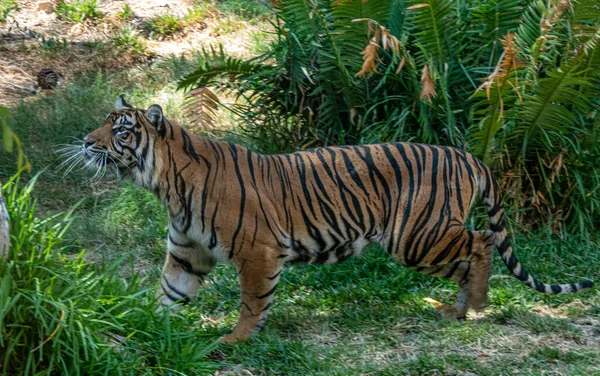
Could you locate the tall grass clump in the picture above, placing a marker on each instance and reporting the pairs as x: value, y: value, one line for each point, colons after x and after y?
x: 166, y: 24
x: 79, y: 11
x: 61, y: 315
x: 517, y: 83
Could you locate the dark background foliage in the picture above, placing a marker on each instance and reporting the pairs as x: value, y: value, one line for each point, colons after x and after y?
x: 517, y: 83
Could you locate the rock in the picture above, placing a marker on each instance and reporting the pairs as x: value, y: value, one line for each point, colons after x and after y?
x: 4, y: 230
x: 46, y: 6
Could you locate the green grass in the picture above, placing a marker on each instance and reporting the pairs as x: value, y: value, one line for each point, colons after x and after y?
x: 126, y: 13
x: 62, y: 315
x: 247, y: 9
x: 79, y: 10
x: 166, y: 24
x: 365, y: 316
x: 127, y: 40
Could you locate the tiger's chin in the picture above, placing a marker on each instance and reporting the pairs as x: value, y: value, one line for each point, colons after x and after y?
x: 123, y: 172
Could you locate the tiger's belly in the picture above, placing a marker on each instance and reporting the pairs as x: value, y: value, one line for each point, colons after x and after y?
x: 308, y: 252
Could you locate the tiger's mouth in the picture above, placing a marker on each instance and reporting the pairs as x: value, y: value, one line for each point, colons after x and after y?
x: 97, y: 159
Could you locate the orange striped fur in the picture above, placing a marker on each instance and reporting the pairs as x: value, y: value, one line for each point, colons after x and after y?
x: 318, y: 206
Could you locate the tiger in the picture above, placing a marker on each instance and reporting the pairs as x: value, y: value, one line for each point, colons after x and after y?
x: 324, y: 205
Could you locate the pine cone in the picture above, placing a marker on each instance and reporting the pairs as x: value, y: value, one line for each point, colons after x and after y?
x: 48, y: 79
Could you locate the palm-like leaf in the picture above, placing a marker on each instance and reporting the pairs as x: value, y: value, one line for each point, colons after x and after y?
x: 549, y: 110
x: 495, y: 101
x: 201, y: 106
x: 218, y: 67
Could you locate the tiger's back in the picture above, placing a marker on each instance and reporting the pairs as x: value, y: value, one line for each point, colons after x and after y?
x: 326, y: 204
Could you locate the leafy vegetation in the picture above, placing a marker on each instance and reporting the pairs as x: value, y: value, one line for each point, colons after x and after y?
x: 79, y: 10
x: 10, y: 139
x: 169, y: 24
x: 128, y: 40
x: 166, y: 24
x: 514, y: 82
x: 61, y: 315
x: 6, y: 7
x: 365, y: 316
x: 126, y: 13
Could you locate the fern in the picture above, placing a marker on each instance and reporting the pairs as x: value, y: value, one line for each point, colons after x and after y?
x: 495, y: 101
x: 201, y: 106
x: 434, y: 28
x: 492, y: 20
x: 217, y: 66
x: 549, y: 111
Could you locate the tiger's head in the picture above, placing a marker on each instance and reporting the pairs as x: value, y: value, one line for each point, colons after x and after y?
x: 126, y: 140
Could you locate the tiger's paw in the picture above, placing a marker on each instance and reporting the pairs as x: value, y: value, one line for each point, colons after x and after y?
x: 230, y: 339
x: 450, y: 313
x: 446, y: 311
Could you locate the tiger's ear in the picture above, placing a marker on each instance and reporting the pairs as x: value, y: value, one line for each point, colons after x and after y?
x: 121, y: 104
x: 155, y: 115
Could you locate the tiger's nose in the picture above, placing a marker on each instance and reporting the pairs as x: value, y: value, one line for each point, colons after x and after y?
x: 87, y: 142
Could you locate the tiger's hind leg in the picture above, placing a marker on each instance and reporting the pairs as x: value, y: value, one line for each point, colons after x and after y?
x: 466, y: 258
x: 457, y: 272
x: 478, y: 278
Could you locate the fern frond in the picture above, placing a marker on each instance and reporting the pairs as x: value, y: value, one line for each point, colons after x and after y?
x: 201, y: 106
x: 434, y: 28
x: 499, y: 89
x: 217, y: 67
x: 491, y: 21
x: 550, y: 110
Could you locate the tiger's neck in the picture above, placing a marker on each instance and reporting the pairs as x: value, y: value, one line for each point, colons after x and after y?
x: 181, y: 163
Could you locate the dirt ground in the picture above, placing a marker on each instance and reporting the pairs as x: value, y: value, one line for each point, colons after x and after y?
x: 88, y: 44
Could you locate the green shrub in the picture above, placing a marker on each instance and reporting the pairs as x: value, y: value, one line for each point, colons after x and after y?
x: 61, y: 315
x: 127, y: 39
x: 244, y: 8
x: 79, y: 11
x: 197, y: 14
x: 515, y: 82
x: 6, y: 7
x: 126, y: 13
x: 166, y: 24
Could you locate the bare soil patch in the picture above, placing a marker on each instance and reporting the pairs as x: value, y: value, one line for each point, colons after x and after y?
x: 69, y: 48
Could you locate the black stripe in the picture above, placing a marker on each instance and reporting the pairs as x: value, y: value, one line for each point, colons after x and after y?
x: 268, y: 293
x: 557, y: 289
x: 452, y: 270
x: 182, y: 245
x: 492, y: 211
x: 184, y: 300
x: 184, y: 297
x: 248, y: 308
x: 504, y: 246
x: 234, y: 157
x: 266, y: 307
x: 276, y: 274
x: 497, y: 227
x: 187, y: 266
x: 586, y: 284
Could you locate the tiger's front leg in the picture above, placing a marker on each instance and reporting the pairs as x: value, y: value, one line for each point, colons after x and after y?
x: 258, y: 279
x: 185, y: 268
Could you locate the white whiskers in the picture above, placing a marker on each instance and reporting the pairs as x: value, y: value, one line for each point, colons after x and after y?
x: 77, y: 155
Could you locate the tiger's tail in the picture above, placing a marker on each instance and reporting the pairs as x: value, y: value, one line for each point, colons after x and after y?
x: 493, y: 199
